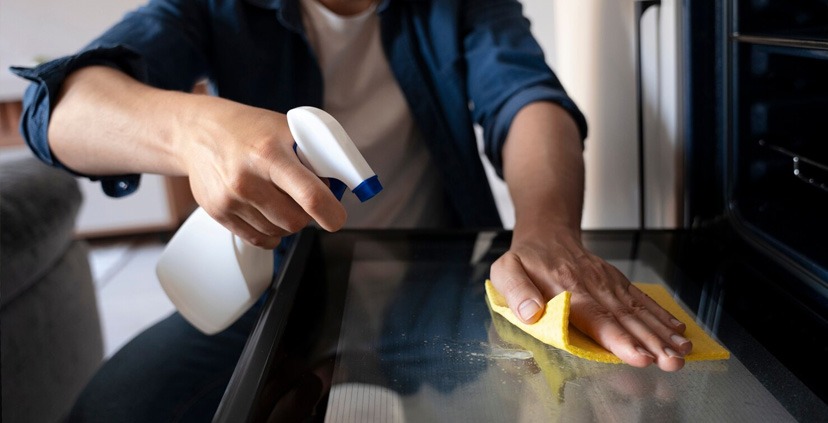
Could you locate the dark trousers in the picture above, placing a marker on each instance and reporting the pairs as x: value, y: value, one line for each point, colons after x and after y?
x: 169, y: 373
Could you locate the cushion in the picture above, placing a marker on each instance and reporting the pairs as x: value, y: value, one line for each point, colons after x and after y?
x: 38, y: 207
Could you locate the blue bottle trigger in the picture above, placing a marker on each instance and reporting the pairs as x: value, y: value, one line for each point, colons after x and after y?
x: 364, y: 191
x: 337, y: 188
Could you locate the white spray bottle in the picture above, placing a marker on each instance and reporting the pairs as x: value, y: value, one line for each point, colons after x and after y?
x: 211, y: 275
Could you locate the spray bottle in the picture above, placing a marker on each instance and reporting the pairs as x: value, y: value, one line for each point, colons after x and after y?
x: 211, y: 275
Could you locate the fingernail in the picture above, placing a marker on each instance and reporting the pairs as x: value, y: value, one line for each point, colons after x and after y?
x: 676, y: 323
x: 528, y: 309
x: 669, y: 351
x: 644, y: 352
x: 679, y: 340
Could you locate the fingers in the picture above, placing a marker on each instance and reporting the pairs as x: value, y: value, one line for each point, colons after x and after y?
x: 601, y: 325
x: 627, y: 322
x: 663, y: 315
x: 604, y: 305
x: 522, y: 296
x: 262, y: 214
x: 634, y: 327
x: 311, y: 194
x: 627, y: 336
x: 239, y: 210
x: 261, y: 219
x: 250, y: 234
x: 669, y: 328
x: 245, y: 173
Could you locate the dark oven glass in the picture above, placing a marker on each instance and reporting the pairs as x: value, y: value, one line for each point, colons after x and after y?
x: 778, y: 139
x: 791, y: 18
x: 394, y: 326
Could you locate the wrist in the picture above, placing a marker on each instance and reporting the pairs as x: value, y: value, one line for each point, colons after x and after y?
x: 543, y: 230
x: 191, y: 124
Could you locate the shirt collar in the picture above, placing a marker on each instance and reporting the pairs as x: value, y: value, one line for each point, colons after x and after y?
x: 278, y: 4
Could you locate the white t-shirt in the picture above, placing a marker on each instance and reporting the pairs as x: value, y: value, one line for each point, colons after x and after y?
x: 361, y: 93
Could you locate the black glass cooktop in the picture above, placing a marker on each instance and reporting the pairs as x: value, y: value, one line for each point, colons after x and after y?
x: 394, y: 326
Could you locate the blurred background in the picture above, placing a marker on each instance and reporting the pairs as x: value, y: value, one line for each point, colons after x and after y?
x: 591, y: 44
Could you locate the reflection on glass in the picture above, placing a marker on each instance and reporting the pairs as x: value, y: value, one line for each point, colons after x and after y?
x: 419, y: 343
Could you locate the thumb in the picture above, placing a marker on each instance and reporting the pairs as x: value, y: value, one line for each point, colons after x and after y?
x: 511, y: 280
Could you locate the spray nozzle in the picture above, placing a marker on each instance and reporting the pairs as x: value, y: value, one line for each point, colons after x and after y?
x: 325, y: 148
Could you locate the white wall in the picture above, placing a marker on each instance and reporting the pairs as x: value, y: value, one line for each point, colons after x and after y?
x: 32, y: 30
x: 661, y: 57
x: 591, y: 46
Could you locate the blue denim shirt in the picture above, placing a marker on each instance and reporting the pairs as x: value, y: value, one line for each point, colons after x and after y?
x: 457, y: 63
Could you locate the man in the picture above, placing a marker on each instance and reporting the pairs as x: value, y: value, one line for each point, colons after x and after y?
x: 407, y: 79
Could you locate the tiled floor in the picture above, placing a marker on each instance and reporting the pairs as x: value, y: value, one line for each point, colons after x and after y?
x: 130, y: 298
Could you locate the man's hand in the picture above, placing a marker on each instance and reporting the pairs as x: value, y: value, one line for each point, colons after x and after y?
x: 244, y: 172
x: 604, y: 304
x: 543, y: 167
x: 240, y: 159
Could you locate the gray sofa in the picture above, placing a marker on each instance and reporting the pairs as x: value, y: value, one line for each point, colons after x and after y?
x: 49, y: 327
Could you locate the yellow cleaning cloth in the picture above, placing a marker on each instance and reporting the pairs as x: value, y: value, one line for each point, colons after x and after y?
x: 553, y: 327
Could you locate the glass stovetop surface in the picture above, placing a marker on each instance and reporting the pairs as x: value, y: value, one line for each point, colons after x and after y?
x: 394, y: 327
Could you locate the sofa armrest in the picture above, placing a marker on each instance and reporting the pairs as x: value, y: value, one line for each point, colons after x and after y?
x: 38, y: 207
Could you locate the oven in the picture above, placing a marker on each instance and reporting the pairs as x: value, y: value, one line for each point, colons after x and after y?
x: 394, y: 326
x: 757, y: 160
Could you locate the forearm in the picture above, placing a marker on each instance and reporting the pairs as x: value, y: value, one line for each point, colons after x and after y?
x: 544, y: 169
x: 105, y: 122
x: 240, y: 159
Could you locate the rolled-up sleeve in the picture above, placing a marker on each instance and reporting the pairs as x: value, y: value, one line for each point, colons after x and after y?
x: 161, y: 44
x: 506, y: 71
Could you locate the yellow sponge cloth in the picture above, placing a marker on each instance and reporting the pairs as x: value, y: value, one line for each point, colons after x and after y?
x: 553, y: 327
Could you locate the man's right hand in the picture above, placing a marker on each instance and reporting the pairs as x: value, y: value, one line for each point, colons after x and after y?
x: 240, y: 160
x: 244, y: 172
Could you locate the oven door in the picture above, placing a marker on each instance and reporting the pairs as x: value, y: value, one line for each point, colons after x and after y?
x: 757, y: 160
x: 757, y: 100
x: 394, y: 326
